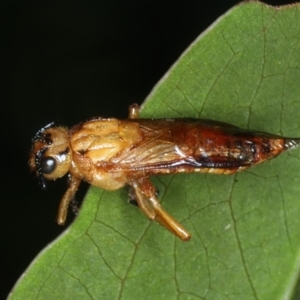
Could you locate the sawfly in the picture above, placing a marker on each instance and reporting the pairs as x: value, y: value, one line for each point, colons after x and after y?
x: 110, y: 153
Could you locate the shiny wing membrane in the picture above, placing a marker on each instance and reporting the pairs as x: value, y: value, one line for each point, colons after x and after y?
x: 186, y: 144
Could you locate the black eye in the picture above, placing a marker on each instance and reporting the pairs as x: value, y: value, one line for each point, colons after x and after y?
x: 48, y: 165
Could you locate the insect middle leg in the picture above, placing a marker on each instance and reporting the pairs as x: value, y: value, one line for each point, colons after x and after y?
x: 132, y: 197
x: 134, y: 110
x: 145, y: 195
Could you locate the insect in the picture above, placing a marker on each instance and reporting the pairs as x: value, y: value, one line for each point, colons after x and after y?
x: 110, y: 153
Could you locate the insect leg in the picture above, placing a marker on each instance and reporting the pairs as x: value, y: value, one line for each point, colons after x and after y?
x: 74, y: 206
x: 66, y: 199
x: 132, y: 197
x: 134, y: 110
x: 145, y: 195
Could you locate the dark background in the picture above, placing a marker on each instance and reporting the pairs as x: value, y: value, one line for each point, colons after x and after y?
x: 69, y: 61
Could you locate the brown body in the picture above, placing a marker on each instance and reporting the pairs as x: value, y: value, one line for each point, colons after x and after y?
x: 110, y: 153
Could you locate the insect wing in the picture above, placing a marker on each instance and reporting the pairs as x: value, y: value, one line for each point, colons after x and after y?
x: 188, y: 145
x: 179, y: 144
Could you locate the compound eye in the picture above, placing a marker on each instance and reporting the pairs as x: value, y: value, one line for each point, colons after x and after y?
x: 48, y: 165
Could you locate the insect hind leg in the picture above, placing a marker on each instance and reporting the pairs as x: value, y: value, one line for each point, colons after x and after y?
x: 145, y: 196
x: 132, y: 197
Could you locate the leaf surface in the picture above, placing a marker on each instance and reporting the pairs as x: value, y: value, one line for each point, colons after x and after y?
x: 244, y: 70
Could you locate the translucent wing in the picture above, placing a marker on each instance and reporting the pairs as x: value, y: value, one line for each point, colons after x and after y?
x: 194, y: 145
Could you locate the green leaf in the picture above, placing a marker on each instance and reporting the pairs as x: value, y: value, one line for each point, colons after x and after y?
x: 245, y: 70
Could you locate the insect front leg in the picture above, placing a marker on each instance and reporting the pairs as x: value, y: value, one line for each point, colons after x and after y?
x: 145, y: 195
x: 67, y: 198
